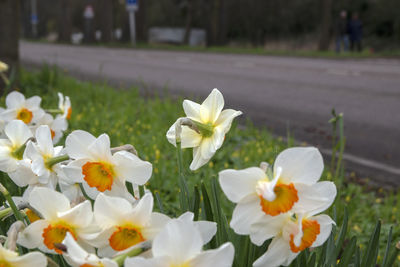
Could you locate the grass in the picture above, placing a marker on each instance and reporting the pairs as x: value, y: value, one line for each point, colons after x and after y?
x: 130, y: 118
x: 249, y: 50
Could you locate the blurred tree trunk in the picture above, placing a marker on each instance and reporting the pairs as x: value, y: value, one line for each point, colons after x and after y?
x: 65, y: 22
x: 105, y: 18
x: 141, y: 21
x: 9, y: 34
x: 325, y: 25
x: 217, y: 26
x: 189, y: 18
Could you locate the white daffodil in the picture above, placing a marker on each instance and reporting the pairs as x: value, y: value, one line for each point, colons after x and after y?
x: 3, y: 66
x: 293, y: 234
x: 124, y: 225
x: 57, y: 218
x: 44, y: 156
x: 19, y: 108
x: 180, y: 244
x: 12, y: 149
x: 64, y: 106
x: 293, y: 188
x: 76, y: 256
x: 211, y: 122
x: 9, y: 258
x: 57, y: 126
x: 100, y: 171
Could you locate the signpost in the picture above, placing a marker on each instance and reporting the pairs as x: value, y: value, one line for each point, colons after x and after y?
x: 131, y: 7
x: 34, y: 18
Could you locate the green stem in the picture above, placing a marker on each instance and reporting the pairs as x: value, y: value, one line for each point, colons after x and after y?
x: 56, y: 111
x: 5, y: 212
x: 134, y: 252
x: 184, y: 196
x: 11, y: 202
x: 5, y: 79
x: 85, y: 195
x: 53, y: 161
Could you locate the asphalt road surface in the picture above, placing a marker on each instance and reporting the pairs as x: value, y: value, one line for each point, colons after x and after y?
x: 280, y: 93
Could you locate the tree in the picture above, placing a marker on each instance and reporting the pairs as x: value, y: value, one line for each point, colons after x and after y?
x: 65, y: 21
x: 9, y: 33
x: 325, y: 25
x: 104, y: 18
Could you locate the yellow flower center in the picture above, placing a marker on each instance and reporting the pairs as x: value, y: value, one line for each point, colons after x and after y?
x: 4, y: 263
x: 55, y: 234
x: 99, y: 175
x: 32, y: 216
x: 286, y: 196
x: 125, y: 237
x: 25, y: 115
x: 311, y: 230
x: 69, y: 113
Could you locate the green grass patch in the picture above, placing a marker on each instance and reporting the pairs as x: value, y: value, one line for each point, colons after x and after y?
x: 129, y: 118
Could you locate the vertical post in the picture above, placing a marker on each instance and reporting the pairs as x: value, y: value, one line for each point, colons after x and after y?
x: 34, y: 18
x: 132, y: 26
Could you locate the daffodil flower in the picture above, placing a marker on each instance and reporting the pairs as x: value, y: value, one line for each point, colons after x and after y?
x: 293, y: 188
x: 57, y: 126
x: 42, y: 154
x: 180, y: 244
x: 57, y: 218
x: 100, y: 171
x: 124, y: 225
x: 64, y: 106
x: 211, y: 123
x: 19, y: 108
x: 293, y: 234
x: 76, y: 256
x: 12, y: 149
x: 3, y: 66
x: 9, y: 258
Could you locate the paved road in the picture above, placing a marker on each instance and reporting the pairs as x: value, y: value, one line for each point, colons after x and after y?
x: 276, y: 92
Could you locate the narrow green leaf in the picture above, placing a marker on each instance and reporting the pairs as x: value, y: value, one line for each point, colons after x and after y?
x: 348, y: 253
x: 388, y: 244
x: 392, y: 257
x: 159, y: 203
x: 342, y: 234
x: 312, y: 260
x: 371, y: 253
x: 196, y: 203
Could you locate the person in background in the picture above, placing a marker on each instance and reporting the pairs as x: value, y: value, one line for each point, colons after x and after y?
x: 355, y: 31
x: 342, y: 32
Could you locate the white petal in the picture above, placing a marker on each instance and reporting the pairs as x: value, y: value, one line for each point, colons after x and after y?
x: 15, y: 100
x: 218, y: 138
x: 189, y: 137
x: 198, y: 160
x: 246, y: 212
x: 239, y: 184
x: 207, y: 229
x: 77, y: 144
x: 211, y: 107
x: 44, y: 140
x: 300, y: 165
x: 142, y: 262
x: 108, y: 211
x: 36, y: 259
x: 73, y: 171
x: 48, y: 202
x: 221, y: 257
x: 179, y: 240
x: 141, y: 213
x: 325, y: 223
x: 23, y: 175
x: 315, y: 198
x: 33, y: 102
x: 207, y: 148
x: 73, y: 247
x: 225, y: 119
x: 31, y: 236
x: 17, y: 132
x: 267, y: 227
x: 100, y: 149
x: 278, y: 253
x: 157, y: 223
x: 81, y: 215
x: 131, y: 168
x: 192, y: 110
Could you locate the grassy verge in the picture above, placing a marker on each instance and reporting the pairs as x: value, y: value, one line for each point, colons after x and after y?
x: 249, y: 50
x: 129, y: 118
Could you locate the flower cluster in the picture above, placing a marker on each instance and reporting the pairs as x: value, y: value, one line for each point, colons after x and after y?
x: 82, y: 200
